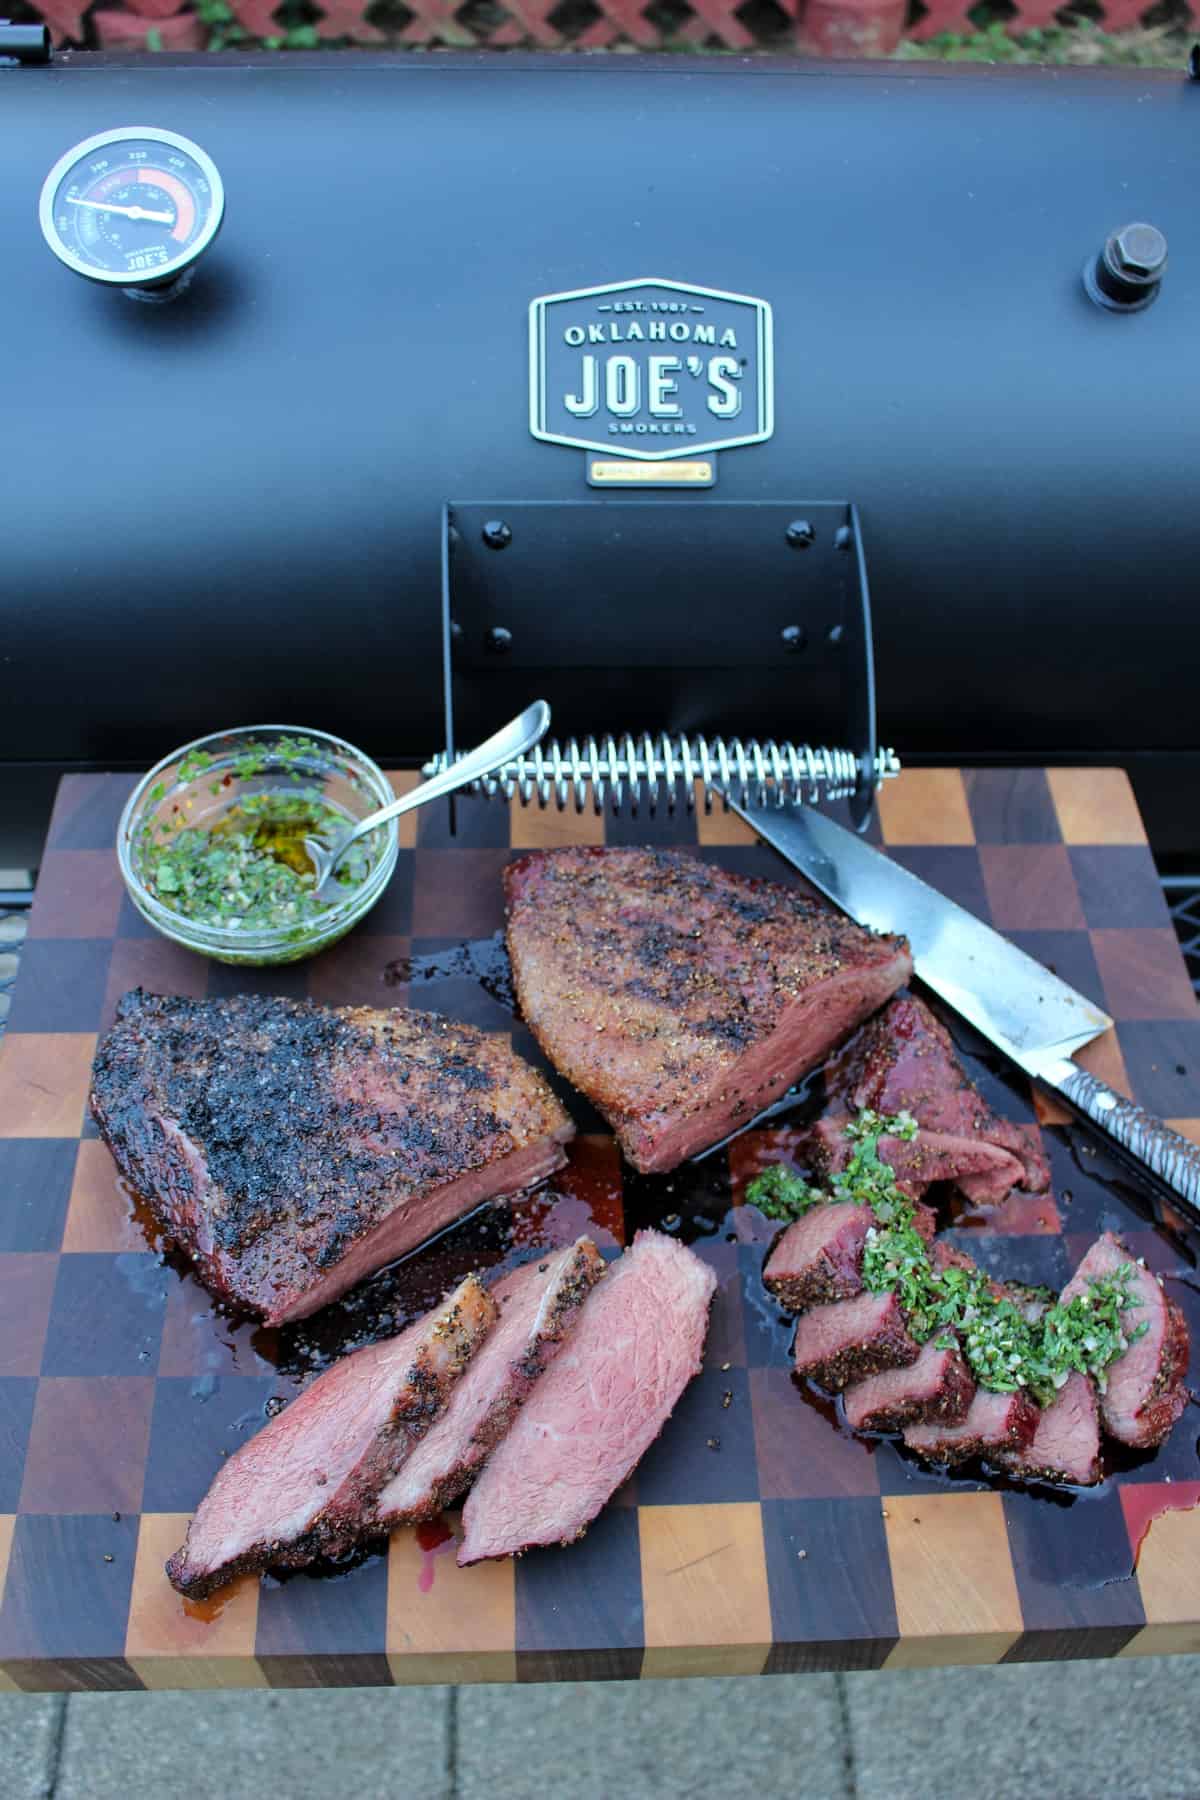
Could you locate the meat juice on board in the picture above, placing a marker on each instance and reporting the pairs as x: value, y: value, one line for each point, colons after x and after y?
x: 697, y: 1202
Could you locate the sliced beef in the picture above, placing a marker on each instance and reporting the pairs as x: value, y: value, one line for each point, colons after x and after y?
x: 936, y: 1389
x: 983, y: 1169
x: 836, y: 1345
x: 600, y: 1405
x: 679, y: 998
x: 819, y: 1258
x: 292, y: 1149
x: 905, y: 1061
x: 305, y: 1484
x: 1066, y: 1443
x: 993, y: 1423
x: 1144, y: 1393
x: 538, y: 1305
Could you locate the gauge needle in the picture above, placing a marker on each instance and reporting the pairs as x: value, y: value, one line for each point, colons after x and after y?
x: 130, y: 212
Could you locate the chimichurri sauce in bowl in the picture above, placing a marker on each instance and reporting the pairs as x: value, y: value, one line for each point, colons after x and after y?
x: 211, y: 843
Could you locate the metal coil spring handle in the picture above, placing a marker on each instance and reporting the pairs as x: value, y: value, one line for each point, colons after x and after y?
x: 668, y: 769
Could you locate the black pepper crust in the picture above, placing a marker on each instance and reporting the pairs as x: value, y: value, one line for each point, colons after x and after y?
x: 583, y: 1269
x: 269, y: 1135
x: 453, y: 1333
x: 656, y: 983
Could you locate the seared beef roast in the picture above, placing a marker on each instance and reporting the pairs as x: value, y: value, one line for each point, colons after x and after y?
x: 600, y: 1405
x: 937, y: 1388
x: 852, y: 1339
x: 292, y: 1149
x: 302, y: 1487
x: 819, y: 1258
x: 1144, y: 1392
x: 982, y: 1168
x: 1066, y: 1444
x: 905, y: 1061
x: 680, y: 999
x: 538, y: 1305
x: 993, y: 1423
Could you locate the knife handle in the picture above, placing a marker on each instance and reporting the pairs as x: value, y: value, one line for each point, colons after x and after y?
x: 1174, y: 1159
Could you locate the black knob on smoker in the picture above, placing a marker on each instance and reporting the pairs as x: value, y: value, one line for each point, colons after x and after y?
x: 1125, y: 276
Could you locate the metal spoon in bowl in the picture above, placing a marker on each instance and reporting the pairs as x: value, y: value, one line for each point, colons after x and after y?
x: 505, y: 746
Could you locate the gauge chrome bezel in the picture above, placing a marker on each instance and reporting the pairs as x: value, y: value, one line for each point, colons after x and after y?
x: 148, y: 134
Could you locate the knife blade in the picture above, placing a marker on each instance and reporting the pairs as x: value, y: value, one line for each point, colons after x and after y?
x: 1034, y: 1018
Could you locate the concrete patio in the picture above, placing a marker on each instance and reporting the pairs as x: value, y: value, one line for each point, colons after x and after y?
x: 1077, y: 1731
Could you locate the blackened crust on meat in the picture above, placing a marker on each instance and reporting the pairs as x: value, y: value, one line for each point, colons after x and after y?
x: 905, y: 1060
x: 995, y: 1425
x: 937, y: 1388
x: 819, y: 1258
x: 306, y: 1484
x: 537, y: 1305
x: 853, y: 1339
x: 292, y: 1148
x: 679, y: 998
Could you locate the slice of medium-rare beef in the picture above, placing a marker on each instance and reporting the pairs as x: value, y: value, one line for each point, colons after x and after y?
x: 679, y: 998
x: 993, y: 1423
x: 636, y: 1344
x: 538, y: 1305
x: 938, y: 1388
x: 292, y: 1149
x: 1066, y: 1444
x: 819, y: 1258
x: 306, y: 1484
x: 836, y: 1345
x: 989, y: 1172
x: 905, y: 1061
x: 1144, y: 1390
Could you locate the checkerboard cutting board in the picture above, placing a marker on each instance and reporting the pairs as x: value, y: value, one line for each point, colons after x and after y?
x: 754, y: 1536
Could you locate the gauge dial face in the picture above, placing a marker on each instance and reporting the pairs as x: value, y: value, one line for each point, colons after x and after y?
x: 133, y: 207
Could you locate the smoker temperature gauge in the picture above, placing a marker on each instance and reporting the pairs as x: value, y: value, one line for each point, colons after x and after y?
x: 133, y: 208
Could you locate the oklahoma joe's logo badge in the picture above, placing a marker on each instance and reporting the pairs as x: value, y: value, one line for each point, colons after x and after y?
x: 650, y: 369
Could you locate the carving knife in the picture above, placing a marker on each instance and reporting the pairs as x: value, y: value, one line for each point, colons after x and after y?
x: 1028, y: 1013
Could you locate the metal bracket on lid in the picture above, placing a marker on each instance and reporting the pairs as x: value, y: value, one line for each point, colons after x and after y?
x: 23, y: 44
x: 723, y: 625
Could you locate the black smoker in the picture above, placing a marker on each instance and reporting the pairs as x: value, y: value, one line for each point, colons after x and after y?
x: 945, y: 377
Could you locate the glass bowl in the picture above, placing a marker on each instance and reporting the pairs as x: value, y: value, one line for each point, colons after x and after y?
x: 196, y: 784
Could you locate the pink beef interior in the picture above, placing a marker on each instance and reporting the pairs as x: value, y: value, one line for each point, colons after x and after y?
x: 809, y: 1028
x: 416, y: 1221
x: 982, y: 1170
x: 599, y: 1406
x: 829, y: 1331
x: 1067, y: 1440
x: 989, y: 1420
x: 500, y: 1377
x: 834, y: 1234
x: 326, y: 1456
x: 920, y: 1384
x: 1136, y: 1381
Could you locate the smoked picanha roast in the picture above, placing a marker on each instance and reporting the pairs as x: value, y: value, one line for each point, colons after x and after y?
x: 302, y: 1486
x: 292, y: 1149
x: 679, y: 998
x: 905, y: 1061
x: 605, y: 1399
x: 553, y: 1382
x: 856, y: 1343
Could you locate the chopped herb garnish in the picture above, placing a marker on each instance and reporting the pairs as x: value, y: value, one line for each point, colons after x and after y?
x: 244, y: 867
x: 1011, y: 1338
